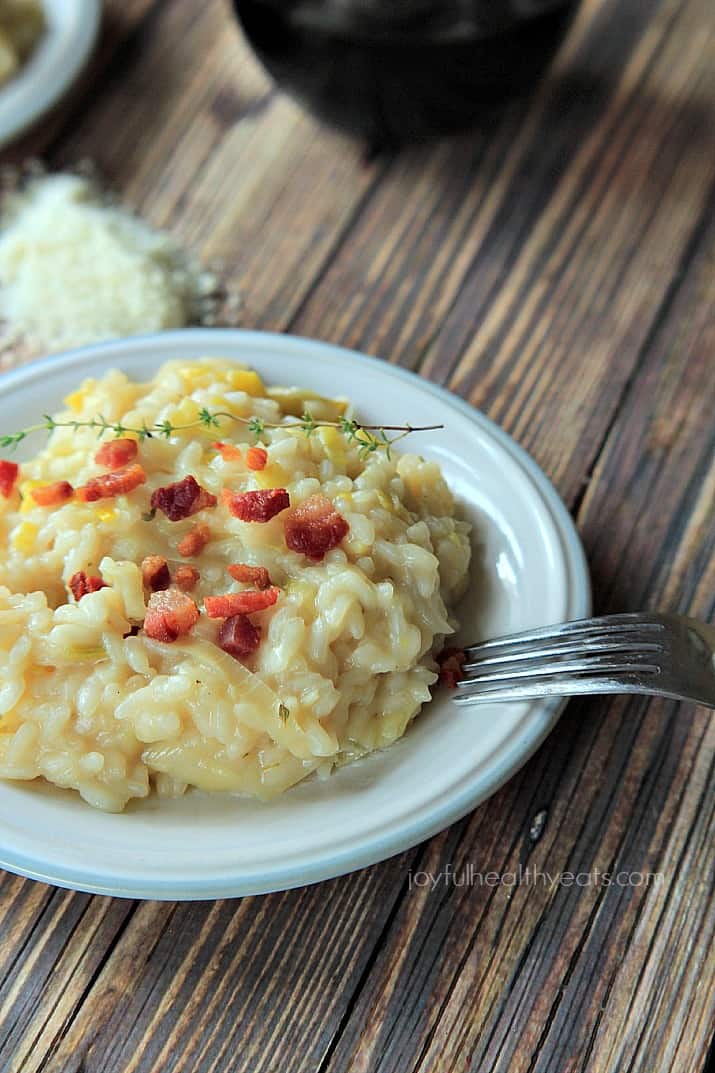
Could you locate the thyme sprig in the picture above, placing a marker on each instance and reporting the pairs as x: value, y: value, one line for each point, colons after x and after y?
x: 368, y: 438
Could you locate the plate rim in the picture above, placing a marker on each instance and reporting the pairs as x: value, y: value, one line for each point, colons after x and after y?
x: 406, y: 835
x: 47, y: 86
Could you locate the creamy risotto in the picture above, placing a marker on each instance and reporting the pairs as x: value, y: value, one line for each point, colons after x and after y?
x: 230, y: 607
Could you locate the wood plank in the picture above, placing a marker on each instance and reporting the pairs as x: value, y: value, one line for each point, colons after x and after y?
x: 33, y: 916
x: 597, y: 977
x: 261, y: 166
x: 40, y: 995
x: 187, y: 56
x: 206, y: 985
x: 16, y: 918
x: 588, y: 284
x: 400, y: 269
x: 234, y: 169
x: 561, y: 249
x: 121, y: 29
x: 487, y: 973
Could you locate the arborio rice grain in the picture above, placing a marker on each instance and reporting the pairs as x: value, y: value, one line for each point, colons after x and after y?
x: 89, y: 701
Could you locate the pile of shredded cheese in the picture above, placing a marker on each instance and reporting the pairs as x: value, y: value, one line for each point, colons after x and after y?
x: 76, y: 268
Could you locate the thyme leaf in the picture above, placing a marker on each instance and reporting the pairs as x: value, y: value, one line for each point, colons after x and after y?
x: 367, y: 438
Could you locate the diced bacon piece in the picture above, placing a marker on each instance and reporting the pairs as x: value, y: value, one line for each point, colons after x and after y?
x: 50, y: 495
x: 254, y: 575
x: 169, y: 615
x: 112, y: 484
x: 451, y: 661
x: 182, y: 499
x: 117, y: 453
x: 194, y: 541
x: 81, y: 585
x: 315, y: 527
x: 186, y: 577
x: 155, y: 572
x: 256, y: 458
x: 9, y: 472
x: 240, y: 603
x: 258, y: 506
x: 228, y: 451
x: 239, y: 637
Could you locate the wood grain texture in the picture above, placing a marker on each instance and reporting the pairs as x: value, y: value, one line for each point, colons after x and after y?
x: 120, y: 33
x: 593, y: 977
x: 610, y: 207
x: 232, y: 167
x: 557, y: 270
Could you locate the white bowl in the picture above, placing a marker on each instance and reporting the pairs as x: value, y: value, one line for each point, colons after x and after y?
x: 529, y: 570
x: 60, y: 55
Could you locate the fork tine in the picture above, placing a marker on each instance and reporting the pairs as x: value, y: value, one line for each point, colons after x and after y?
x: 635, y: 626
x: 664, y: 655
x: 611, y: 663
x: 539, y: 650
x: 569, y: 685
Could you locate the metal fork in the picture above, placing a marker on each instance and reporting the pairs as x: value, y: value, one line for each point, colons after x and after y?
x: 663, y: 655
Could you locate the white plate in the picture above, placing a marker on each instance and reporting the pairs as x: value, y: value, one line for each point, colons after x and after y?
x: 60, y: 55
x: 529, y: 570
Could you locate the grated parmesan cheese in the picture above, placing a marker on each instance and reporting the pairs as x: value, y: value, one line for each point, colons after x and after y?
x: 76, y: 268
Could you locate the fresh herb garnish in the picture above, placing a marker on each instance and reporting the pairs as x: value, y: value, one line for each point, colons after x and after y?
x: 368, y: 438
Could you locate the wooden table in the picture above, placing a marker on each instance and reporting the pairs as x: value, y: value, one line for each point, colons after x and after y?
x: 558, y: 273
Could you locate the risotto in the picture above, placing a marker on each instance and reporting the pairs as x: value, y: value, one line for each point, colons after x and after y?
x: 229, y: 605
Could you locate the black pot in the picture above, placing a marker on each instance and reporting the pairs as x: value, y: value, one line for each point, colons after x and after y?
x: 398, y: 70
